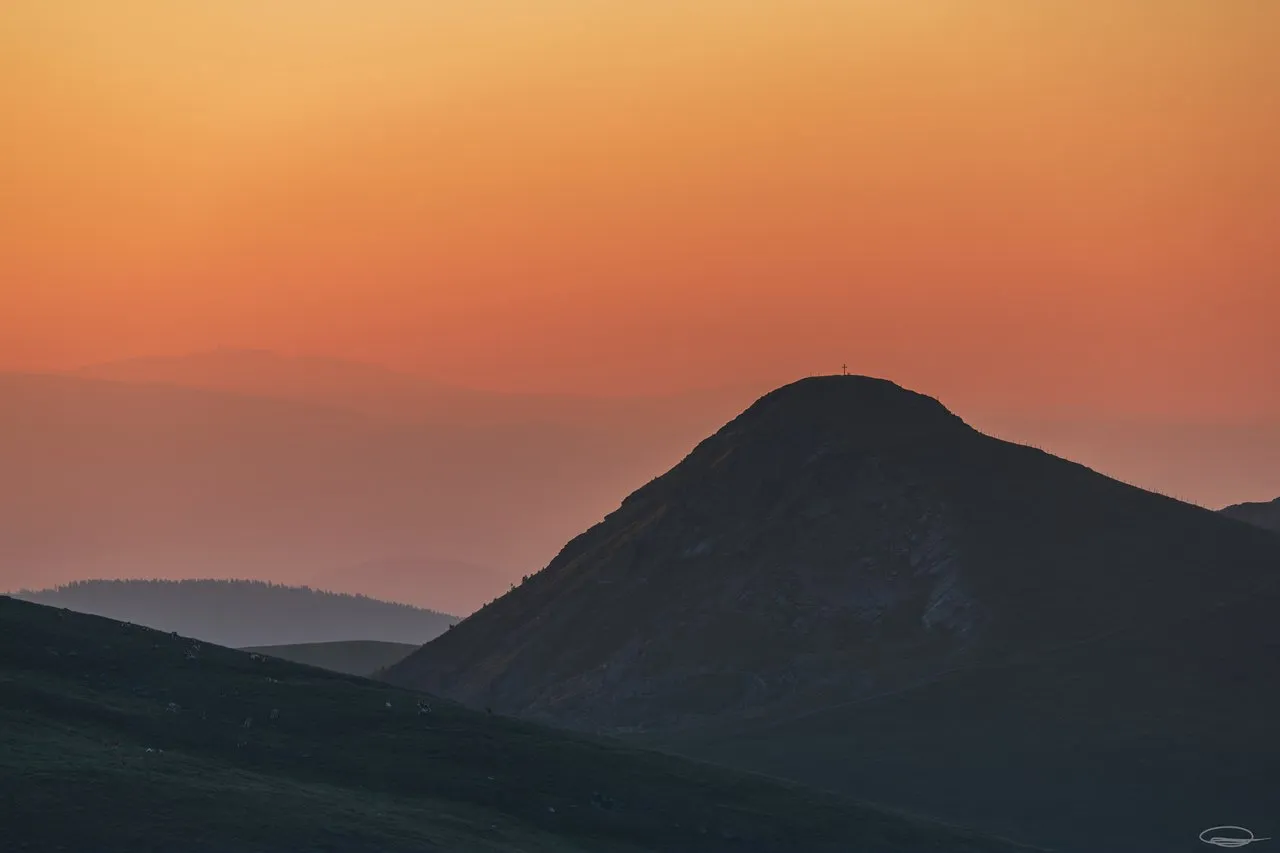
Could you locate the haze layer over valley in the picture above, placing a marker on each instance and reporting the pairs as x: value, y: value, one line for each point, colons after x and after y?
x: 351, y: 477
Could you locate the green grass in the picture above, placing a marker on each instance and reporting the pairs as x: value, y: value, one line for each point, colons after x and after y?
x: 83, y: 699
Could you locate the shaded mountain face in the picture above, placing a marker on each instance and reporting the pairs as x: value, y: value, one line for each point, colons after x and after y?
x: 247, y: 613
x: 842, y: 537
x: 408, y: 398
x: 1262, y: 514
x: 848, y: 586
x: 1136, y: 740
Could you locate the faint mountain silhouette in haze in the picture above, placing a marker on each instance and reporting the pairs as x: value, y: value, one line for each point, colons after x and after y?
x: 1262, y: 514
x: 241, y: 613
x: 113, y: 479
x: 847, y: 557
x: 407, y: 398
x: 1206, y: 462
x: 1209, y: 462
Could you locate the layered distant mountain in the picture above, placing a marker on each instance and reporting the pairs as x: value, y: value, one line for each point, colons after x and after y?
x: 378, y: 392
x: 850, y: 586
x: 247, y: 613
x: 1204, y: 461
x: 117, y: 479
x: 1262, y: 514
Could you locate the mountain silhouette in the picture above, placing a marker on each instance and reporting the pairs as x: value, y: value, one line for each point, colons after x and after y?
x: 366, y: 388
x: 243, y: 613
x: 846, y: 544
x: 1263, y: 514
x: 401, y: 397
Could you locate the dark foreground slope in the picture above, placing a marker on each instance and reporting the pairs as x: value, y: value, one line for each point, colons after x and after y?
x: 119, y: 738
x: 241, y: 613
x: 844, y: 539
x: 1266, y: 514
x: 354, y: 657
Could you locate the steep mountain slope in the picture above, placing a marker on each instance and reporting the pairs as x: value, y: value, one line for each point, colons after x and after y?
x: 247, y: 613
x: 1137, y: 740
x: 845, y: 539
x: 1262, y: 514
x: 354, y: 657
x: 118, y: 738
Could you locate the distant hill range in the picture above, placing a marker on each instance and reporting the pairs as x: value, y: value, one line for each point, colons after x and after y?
x: 1263, y: 514
x: 242, y: 613
x: 849, y: 586
x: 408, y: 398
x: 354, y: 657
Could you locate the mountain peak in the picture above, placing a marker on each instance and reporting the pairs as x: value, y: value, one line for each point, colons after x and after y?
x: 863, y: 403
x: 811, y: 420
x: 1262, y: 513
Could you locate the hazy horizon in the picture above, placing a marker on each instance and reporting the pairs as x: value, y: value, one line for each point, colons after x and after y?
x: 339, y: 475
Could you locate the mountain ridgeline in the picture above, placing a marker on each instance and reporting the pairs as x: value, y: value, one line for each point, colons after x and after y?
x: 849, y: 586
x: 1263, y: 514
x: 242, y: 613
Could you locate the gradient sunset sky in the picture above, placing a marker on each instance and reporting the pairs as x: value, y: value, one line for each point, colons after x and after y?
x: 1033, y: 205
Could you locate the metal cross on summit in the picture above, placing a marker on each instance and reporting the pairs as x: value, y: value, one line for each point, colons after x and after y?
x: 844, y: 370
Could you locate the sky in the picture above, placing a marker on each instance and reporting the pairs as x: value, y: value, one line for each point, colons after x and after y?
x: 1039, y: 207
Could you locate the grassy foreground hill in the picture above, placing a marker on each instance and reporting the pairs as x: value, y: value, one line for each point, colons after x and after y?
x: 355, y: 657
x: 115, y: 737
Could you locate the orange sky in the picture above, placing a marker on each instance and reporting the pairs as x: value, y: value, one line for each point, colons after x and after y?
x: 1021, y: 205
